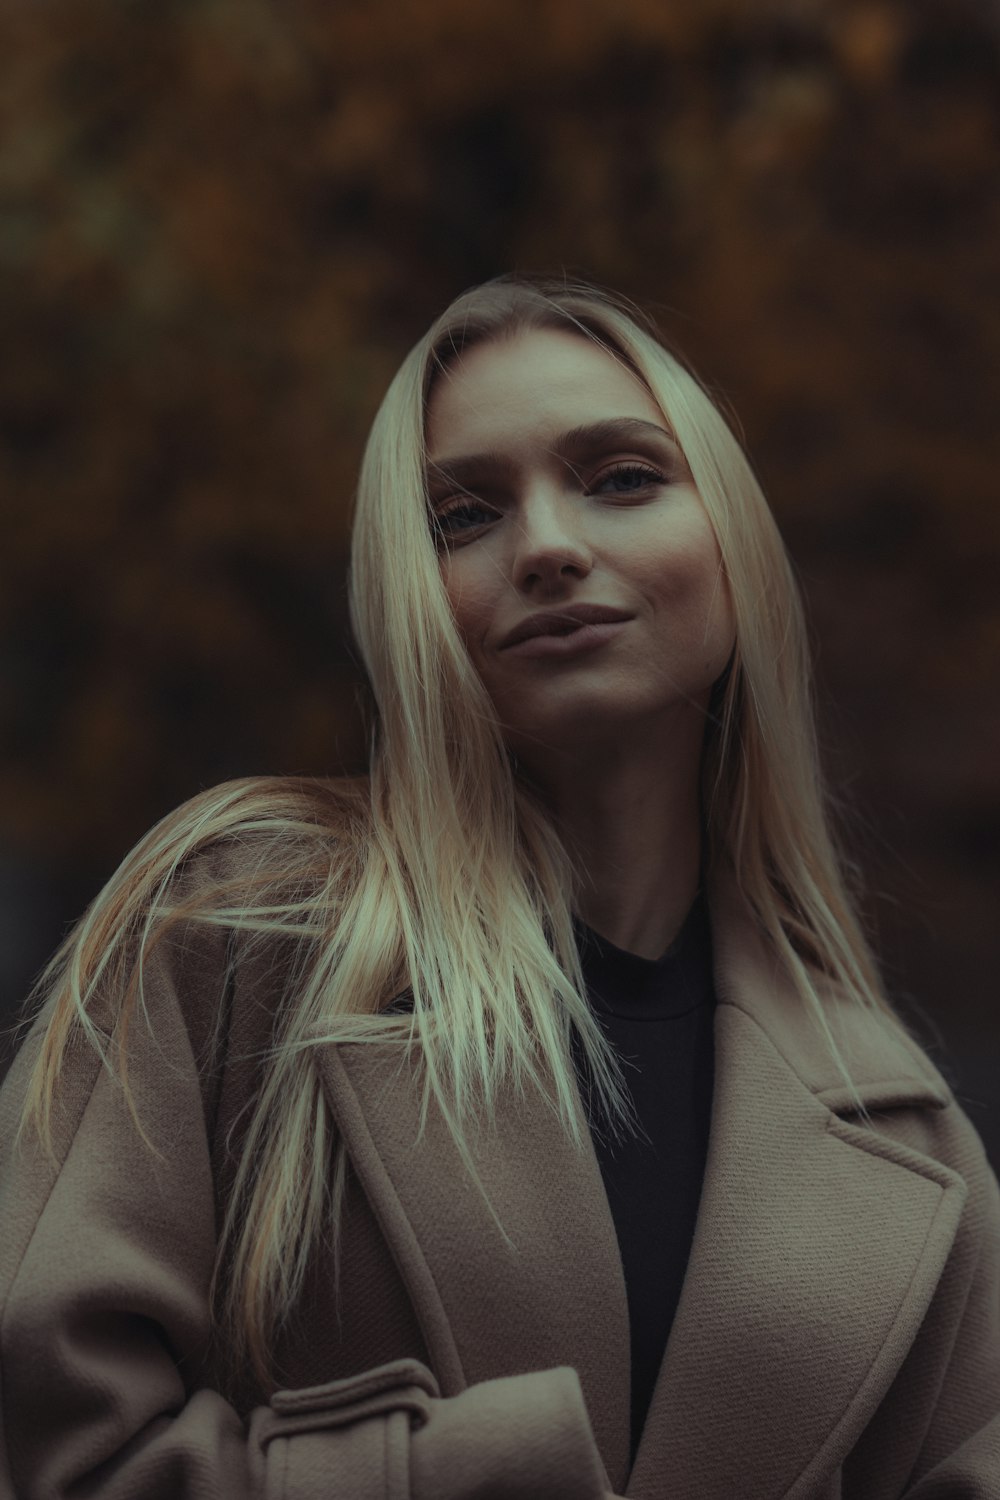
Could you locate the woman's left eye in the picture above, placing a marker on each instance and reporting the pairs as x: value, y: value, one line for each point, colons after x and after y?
x: 632, y: 477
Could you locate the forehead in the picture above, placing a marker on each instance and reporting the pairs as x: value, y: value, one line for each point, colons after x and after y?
x: 525, y: 386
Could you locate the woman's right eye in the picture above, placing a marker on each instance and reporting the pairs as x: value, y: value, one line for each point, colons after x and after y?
x: 449, y: 520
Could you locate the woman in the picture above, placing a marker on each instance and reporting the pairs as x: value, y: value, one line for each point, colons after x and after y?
x: 376, y: 1134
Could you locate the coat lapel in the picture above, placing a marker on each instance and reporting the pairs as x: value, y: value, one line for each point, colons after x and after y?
x: 552, y: 1292
x: 816, y: 1253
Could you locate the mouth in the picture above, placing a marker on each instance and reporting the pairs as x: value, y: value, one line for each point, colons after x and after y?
x: 572, y: 639
x: 563, y: 628
x: 562, y: 622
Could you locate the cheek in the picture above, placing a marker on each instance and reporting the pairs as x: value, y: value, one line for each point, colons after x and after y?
x: 469, y: 598
x: 688, y: 587
x: 685, y: 573
x: 718, y: 607
x: 719, y: 620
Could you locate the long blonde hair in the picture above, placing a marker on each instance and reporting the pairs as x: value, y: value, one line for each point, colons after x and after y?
x: 441, y: 871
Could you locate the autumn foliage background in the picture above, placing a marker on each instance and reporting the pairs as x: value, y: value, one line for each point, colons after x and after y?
x: 223, y: 224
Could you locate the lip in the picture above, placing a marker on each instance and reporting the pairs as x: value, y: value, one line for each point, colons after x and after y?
x: 551, y: 624
x: 573, y: 643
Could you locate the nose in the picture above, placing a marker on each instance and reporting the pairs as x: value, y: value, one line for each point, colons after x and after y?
x: 549, y: 539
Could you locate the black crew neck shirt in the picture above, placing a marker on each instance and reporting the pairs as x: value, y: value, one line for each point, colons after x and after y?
x: 658, y: 1015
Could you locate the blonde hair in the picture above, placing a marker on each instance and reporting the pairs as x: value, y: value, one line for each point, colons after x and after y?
x: 442, y: 872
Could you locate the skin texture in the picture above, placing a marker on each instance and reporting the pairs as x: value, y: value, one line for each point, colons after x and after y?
x: 612, y: 736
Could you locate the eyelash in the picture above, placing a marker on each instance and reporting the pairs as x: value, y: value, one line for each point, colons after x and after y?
x: 651, y: 476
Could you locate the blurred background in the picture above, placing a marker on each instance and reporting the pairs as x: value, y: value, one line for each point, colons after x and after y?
x: 223, y: 225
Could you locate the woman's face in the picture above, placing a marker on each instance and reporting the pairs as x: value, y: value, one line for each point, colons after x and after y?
x: 541, y: 515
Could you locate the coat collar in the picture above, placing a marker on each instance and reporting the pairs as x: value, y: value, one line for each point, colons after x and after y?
x: 816, y: 1252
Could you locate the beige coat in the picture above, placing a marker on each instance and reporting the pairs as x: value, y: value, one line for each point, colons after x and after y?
x: 838, y: 1335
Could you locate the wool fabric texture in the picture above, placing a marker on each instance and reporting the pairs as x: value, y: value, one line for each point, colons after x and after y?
x: 836, y: 1337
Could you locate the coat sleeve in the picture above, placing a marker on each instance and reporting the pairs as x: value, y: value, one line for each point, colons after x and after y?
x: 106, y: 1257
x: 960, y: 1458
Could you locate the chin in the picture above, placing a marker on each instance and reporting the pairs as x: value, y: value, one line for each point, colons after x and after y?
x: 593, y: 719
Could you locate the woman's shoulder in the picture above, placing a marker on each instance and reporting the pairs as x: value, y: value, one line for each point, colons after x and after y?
x: 910, y: 1081
x: 255, y: 867
x: 242, y: 834
x: 251, y: 809
x: 220, y: 879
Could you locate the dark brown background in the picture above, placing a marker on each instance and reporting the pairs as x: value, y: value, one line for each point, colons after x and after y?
x: 224, y: 224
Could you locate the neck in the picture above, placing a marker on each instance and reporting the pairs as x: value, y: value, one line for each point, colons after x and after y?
x: 634, y: 830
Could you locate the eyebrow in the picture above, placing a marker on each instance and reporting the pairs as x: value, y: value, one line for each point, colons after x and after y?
x: 590, y: 436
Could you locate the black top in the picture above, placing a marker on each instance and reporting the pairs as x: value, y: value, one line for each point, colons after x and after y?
x: 658, y: 1015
